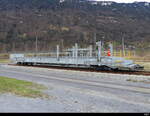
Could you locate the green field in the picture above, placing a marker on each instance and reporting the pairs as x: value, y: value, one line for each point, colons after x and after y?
x: 21, y: 88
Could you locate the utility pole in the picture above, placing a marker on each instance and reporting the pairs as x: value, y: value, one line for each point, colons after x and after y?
x: 36, y: 47
x: 62, y: 42
x: 94, y: 42
x: 95, y: 39
x: 123, y: 47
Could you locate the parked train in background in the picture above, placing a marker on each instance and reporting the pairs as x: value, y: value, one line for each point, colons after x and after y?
x: 78, y: 57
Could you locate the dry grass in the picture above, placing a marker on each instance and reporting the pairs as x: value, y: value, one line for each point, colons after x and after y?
x: 4, y: 56
x: 4, y: 61
x: 144, y: 61
x: 145, y: 64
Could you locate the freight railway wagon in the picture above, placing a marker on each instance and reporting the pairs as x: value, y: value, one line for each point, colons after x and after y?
x: 77, y: 57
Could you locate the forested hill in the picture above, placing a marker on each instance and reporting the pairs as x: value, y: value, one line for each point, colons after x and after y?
x: 65, y: 22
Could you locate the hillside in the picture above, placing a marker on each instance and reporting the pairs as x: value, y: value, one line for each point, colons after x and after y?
x: 66, y: 22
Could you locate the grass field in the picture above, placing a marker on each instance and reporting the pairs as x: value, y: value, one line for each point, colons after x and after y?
x: 21, y: 88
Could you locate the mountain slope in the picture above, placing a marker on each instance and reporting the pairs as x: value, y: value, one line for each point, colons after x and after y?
x: 66, y: 22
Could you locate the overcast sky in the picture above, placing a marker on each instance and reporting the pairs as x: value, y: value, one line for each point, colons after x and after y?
x: 126, y: 1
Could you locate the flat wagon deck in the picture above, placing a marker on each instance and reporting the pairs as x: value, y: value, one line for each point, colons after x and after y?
x: 78, y: 57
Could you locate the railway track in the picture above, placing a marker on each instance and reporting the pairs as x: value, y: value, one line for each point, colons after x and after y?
x: 145, y: 73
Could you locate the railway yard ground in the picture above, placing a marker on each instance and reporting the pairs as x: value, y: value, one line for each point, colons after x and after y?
x: 77, y: 91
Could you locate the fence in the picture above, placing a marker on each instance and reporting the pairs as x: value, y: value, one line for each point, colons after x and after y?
x: 126, y: 54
